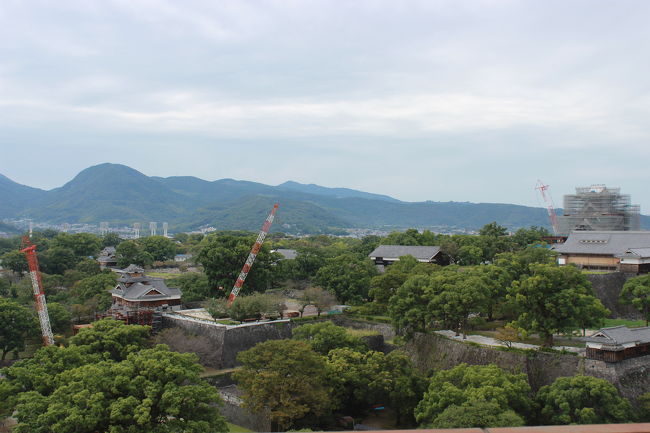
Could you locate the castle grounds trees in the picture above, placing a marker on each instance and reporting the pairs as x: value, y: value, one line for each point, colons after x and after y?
x: 636, y: 291
x: 484, y: 394
x: 554, y: 300
x: 16, y: 261
x: 326, y: 336
x: 17, y: 323
x: 287, y: 379
x: 363, y: 379
x: 160, y: 247
x: 153, y: 390
x: 582, y: 400
x: 223, y: 256
x: 347, y: 276
x: 106, y: 381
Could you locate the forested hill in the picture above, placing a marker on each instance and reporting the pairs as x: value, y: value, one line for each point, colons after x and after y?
x: 121, y: 195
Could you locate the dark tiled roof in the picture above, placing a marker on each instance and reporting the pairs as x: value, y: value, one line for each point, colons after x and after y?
x: 618, y: 335
x: 396, y: 251
x: 286, y: 253
x: 138, y: 291
x: 637, y: 252
x: 604, y: 242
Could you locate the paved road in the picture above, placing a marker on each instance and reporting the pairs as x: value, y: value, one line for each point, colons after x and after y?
x: 487, y: 341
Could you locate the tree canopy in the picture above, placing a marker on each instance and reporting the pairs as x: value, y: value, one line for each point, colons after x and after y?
x: 636, y: 291
x: 17, y: 323
x: 326, y: 336
x: 582, y: 400
x: 554, y: 300
x: 347, y: 276
x: 286, y: 378
x: 465, y: 386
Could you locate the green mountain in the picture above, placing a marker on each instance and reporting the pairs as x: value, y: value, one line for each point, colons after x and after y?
x: 121, y: 195
x: 14, y: 196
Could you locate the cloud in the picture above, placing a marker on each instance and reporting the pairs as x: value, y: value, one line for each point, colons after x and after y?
x: 323, y: 87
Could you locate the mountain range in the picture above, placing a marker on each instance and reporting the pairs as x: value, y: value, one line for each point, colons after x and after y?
x: 121, y: 195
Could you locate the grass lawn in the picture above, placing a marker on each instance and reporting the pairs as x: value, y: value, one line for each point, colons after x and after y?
x: 628, y: 323
x: 233, y: 428
x: 165, y: 275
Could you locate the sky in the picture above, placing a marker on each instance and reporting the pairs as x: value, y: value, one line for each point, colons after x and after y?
x: 421, y: 100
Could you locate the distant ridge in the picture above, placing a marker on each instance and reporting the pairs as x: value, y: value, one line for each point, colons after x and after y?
x: 121, y: 195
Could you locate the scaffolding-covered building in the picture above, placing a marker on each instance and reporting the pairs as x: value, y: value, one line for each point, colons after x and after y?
x: 598, y: 208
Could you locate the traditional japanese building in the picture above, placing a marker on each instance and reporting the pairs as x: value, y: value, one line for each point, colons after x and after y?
x: 107, y: 258
x: 624, y: 251
x: 619, y: 343
x: 385, y: 255
x: 136, y: 291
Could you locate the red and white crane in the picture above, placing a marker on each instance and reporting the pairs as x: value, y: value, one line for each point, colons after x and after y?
x: 39, y: 294
x: 548, y: 200
x: 251, y: 257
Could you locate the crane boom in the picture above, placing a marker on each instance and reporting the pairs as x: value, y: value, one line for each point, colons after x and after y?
x: 549, y: 205
x: 251, y: 257
x: 39, y: 294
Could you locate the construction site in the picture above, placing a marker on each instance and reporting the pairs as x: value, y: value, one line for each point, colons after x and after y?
x: 598, y: 208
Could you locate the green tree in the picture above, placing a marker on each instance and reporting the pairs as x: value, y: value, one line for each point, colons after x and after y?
x: 255, y: 306
x: 195, y: 286
x: 111, y: 239
x: 5, y: 287
x: 453, y: 296
x: 582, y: 400
x: 223, y: 256
x: 496, y: 281
x: 479, y: 414
x: 467, y: 386
x: 547, y: 301
x: 636, y: 291
x: 153, y: 390
x: 326, y: 336
x: 111, y: 339
x: 347, y: 276
x: 470, y: 255
x: 97, y: 286
x: 287, y: 379
x: 493, y: 230
x: 131, y: 252
x: 81, y: 244
x: 60, y: 317
x: 14, y: 260
x: 88, y: 267
x: 361, y: 379
x: 644, y: 407
x: 17, y: 323
x: 527, y: 236
x: 160, y: 247
x: 407, y: 308
x: 57, y: 260
x: 384, y: 286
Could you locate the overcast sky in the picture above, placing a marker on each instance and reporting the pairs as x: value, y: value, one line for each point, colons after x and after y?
x: 432, y: 100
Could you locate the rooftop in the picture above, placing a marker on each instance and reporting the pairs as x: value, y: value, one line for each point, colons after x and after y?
x: 396, y: 251
x: 604, y: 242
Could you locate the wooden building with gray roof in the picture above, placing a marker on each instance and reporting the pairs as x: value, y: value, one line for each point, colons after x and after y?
x: 385, y: 255
x: 618, y: 343
x: 137, y: 291
x: 625, y: 251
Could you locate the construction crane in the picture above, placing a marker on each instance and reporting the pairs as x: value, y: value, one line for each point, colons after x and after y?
x: 549, y: 205
x: 251, y: 257
x: 39, y: 295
